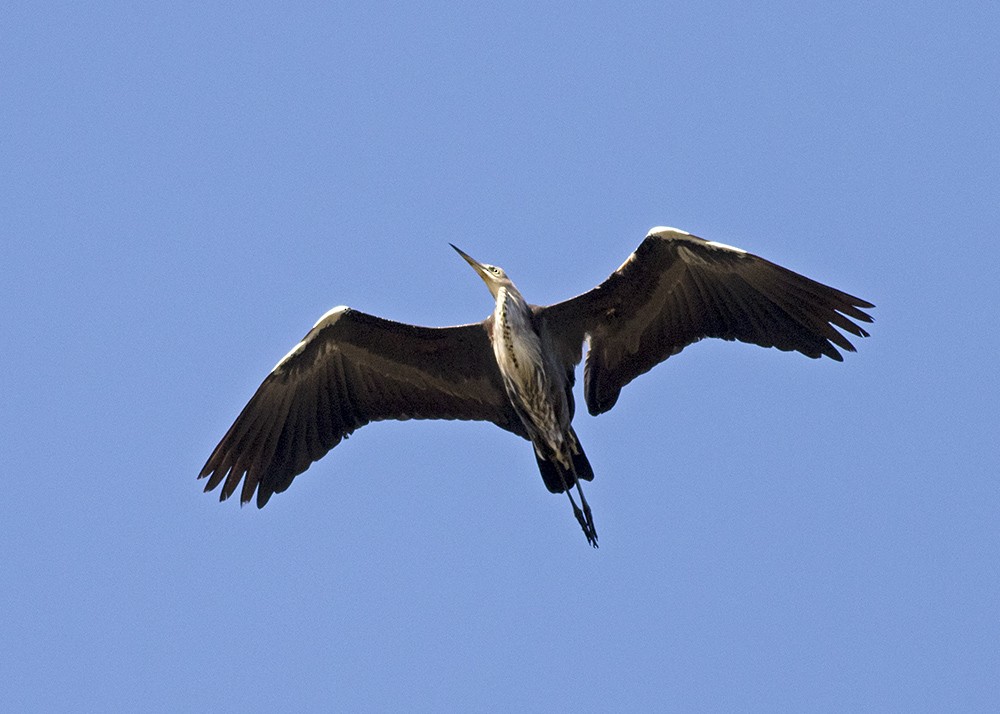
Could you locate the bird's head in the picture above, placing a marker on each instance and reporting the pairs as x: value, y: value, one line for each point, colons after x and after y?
x: 494, y: 276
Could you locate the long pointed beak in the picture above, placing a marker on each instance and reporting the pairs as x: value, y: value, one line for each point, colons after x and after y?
x: 476, y: 265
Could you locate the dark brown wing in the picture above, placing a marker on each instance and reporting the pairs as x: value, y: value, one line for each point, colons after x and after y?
x: 676, y: 289
x: 351, y: 369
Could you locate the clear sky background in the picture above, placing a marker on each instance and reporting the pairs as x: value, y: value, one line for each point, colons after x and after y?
x: 187, y: 186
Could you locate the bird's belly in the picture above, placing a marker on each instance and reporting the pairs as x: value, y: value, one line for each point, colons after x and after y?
x: 532, y: 392
x: 534, y: 404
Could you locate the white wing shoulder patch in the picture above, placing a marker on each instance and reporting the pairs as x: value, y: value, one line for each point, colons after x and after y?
x: 328, y: 319
x: 677, y: 234
x: 666, y: 232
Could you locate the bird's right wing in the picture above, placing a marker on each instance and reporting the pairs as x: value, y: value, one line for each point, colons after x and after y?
x: 351, y: 369
x: 676, y: 289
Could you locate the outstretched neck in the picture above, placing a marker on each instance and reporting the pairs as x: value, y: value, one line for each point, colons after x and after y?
x: 511, y: 307
x: 513, y: 333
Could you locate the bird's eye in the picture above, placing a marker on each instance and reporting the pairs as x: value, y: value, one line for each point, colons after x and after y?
x: 495, y: 270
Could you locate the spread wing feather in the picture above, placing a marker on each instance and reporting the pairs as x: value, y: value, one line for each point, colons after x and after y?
x: 351, y: 369
x: 676, y: 289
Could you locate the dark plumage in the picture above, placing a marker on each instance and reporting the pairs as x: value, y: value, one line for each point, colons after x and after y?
x: 352, y: 368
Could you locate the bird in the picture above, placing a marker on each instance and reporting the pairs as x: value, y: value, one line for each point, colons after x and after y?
x: 517, y: 367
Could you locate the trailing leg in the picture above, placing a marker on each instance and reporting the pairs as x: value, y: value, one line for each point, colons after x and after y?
x: 560, y: 476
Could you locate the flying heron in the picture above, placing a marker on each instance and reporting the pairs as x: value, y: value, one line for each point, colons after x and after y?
x: 516, y: 368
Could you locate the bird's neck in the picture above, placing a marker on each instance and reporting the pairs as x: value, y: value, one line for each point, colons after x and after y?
x: 511, y: 307
x: 515, y: 343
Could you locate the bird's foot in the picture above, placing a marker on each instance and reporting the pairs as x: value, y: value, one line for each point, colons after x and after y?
x: 591, y: 530
x: 586, y: 523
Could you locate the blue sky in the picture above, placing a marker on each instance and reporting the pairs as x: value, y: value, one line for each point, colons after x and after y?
x: 187, y: 188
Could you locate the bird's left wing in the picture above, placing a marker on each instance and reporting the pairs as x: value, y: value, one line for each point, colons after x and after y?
x: 351, y: 369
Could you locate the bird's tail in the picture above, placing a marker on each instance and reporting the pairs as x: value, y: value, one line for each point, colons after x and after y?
x: 556, y: 477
